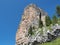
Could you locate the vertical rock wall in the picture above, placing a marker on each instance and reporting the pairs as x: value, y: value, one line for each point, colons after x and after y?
x: 29, y: 18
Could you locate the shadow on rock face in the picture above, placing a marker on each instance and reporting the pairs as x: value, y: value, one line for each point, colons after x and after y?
x: 51, y: 37
x: 57, y: 32
x: 35, y: 43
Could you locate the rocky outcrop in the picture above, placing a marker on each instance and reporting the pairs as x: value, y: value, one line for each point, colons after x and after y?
x: 30, y: 17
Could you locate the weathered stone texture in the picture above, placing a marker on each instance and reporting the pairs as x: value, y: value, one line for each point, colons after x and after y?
x: 30, y: 17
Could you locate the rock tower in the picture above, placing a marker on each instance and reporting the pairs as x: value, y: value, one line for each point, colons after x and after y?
x: 30, y: 17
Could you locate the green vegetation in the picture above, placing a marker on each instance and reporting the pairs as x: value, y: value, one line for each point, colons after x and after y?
x: 30, y: 31
x: 55, y: 42
x: 47, y: 20
x: 49, y: 28
x: 58, y: 10
x: 54, y: 20
x: 59, y: 21
x: 33, y: 27
x: 58, y: 13
x: 41, y: 30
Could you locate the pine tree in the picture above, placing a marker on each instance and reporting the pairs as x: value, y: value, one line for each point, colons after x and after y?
x: 54, y: 20
x: 47, y: 20
x: 58, y: 10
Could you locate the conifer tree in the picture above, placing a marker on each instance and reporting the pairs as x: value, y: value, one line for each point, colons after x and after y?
x: 54, y: 19
x: 58, y: 10
x: 47, y: 20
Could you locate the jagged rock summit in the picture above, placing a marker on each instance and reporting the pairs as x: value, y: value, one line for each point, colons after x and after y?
x: 30, y: 17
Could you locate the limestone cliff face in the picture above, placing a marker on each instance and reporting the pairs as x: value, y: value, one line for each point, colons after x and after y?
x: 30, y: 17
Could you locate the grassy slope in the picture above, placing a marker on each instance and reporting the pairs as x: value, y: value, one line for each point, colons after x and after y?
x: 55, y: 42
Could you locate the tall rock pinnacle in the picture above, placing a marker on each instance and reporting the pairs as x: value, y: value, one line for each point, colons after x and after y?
x: 30, y: 17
